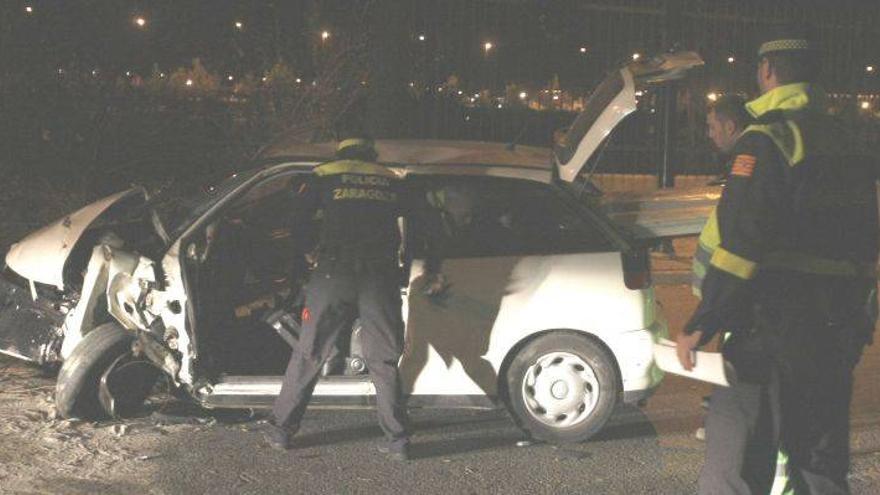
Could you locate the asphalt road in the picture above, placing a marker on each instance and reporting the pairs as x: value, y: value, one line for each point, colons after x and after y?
x: 648, y: 450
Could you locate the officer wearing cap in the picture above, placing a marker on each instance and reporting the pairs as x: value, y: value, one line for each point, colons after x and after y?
x: 793, y: 280
x: 357, y: 273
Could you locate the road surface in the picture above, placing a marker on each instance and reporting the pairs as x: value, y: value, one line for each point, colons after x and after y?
x: 648, y: 450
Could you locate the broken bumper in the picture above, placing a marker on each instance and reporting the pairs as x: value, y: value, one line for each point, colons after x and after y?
x: 28, y: 330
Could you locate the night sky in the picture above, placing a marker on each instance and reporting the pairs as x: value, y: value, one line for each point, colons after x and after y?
x: 531, y: 40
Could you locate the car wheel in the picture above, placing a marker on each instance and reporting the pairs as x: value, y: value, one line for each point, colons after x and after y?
x: 103, y: 356
x: 562, y: 387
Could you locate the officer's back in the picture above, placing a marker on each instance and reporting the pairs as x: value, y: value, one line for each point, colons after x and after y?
x: 359, y: 202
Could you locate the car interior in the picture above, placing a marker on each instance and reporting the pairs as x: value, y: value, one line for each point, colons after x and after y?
x: 250, y: 272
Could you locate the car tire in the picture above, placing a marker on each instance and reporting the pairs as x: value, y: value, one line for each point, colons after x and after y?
x: 78, y: 385
x: 562, y: 387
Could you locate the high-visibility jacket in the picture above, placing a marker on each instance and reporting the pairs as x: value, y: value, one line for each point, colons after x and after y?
x: 800, y: 197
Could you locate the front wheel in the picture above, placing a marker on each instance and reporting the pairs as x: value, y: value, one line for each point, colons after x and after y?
x: 102, y: 378
x: 562, y: 387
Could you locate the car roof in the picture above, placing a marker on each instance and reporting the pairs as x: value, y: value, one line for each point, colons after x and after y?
x: 434, y: 156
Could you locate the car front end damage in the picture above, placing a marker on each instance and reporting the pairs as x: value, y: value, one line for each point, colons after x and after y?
x: 30, y: 329
x: 94, y: 267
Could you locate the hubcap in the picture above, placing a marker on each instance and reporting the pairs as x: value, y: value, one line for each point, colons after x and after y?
x: 560, y: 389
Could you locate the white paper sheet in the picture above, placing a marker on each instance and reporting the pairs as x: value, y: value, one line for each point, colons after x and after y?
x: 709, y: 366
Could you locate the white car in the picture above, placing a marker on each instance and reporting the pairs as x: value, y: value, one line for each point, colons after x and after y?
x: 548, y: 309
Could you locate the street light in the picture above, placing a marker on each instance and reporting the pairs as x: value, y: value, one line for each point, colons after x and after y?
x: 636, y: 56
x: 140, y: 22
x: 488, y: 46
x: 29, y: 10
x: 869, y: 69
x: 239, y: 25
x: 713, y: 96
x: 230, y: 77
x: 189, y: 82
x: 325, y: 35
x: 523, y: 95
x: 583, y: 49
x: 731, y: 59
x: 866, y: 105
x: 422, y: 37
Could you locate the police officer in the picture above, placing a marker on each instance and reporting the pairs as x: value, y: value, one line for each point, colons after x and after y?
x: 791, y: 280
x: 357, y: 273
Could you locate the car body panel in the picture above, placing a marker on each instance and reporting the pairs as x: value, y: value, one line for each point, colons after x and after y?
x: 41, y: 255
x: 457, y: 344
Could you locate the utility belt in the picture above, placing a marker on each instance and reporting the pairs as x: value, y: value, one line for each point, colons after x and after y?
x: 815, y: 265
x: 343, y: 260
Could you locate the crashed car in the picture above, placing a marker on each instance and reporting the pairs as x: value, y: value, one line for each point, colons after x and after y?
x: 548, y: 310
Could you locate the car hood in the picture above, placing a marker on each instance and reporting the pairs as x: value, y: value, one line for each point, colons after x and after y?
x: 664, y: 213
x: 41, y: 255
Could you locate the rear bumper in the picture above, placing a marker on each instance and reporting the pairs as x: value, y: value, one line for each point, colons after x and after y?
x: 28, y: 330
x: 635, y: 354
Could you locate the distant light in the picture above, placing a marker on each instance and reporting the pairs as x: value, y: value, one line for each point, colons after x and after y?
x: 640, y: 93
x: 583, y: 49
x: 265, y: 78
x: 161, y: 75
x: 555, y: 97
x: 500, y: 106
x: 476, y: 95
x: 29, y: 9
x: 60, y: 70
x: 467, y: 118
x: 460, y: 92
x: 473, y: 99
x: 230, y: 77
x: 140, y: 21
x: 128, y: 73
x: 239, y: 25
x: 488, y: 46
x: 869, y: 68
x: 713, y: 96
x: 523, y: 95
x: 636, y: 56
x: 422, y: 37
x: 439, y: 89
x: 731, y: 59
x: 189, y: 82
x: 412, y: 84
x: 866, y: 105
x: 325, y: 35
x: 299, y: 81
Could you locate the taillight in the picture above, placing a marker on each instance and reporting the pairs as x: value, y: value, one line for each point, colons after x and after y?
x: 636, y: 269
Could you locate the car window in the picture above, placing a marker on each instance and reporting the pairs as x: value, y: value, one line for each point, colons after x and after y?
x: 483, y: 216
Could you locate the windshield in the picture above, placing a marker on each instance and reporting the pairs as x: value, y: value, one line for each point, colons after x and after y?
x: 178, y: 207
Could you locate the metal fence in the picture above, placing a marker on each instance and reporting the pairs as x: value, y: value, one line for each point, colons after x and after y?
x: 577, y: 41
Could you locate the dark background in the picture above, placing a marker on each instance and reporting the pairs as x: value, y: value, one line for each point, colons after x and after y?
x: 91, y: 102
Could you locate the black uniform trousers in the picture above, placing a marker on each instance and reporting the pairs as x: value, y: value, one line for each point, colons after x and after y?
x: 337, y: 292
x: 794, y: 388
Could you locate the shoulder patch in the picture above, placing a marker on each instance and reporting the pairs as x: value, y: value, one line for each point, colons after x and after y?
x: 743, y: 165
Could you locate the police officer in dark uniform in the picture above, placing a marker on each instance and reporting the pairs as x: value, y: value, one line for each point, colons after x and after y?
x: 792, y: 280
x: 357, y: 273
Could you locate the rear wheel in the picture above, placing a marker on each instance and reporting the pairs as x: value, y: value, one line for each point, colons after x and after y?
x: 562, y: 387
x: 101, y: 378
